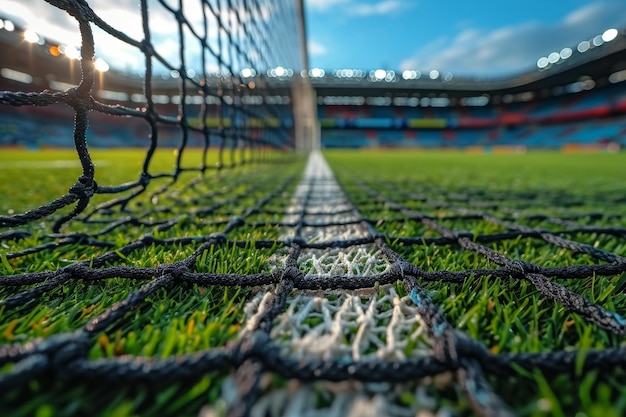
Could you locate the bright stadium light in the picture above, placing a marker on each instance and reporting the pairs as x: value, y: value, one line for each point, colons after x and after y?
x: 554, y: 57
x: 246, y: 73
x: 9, y: 26
x: 542, y: 62
x: 609, y: 35
x: 280, y: 71
x: 101, y: 65
x: 317, y: 72
x: 566, y: 53
x: 584, y: 46
x: 597, y: 41
x: 380, y: 74
x: 31, y: 36
x: 434, y: 74
x: 70, y: 51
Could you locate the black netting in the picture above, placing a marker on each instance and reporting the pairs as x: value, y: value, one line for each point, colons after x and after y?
x: 241, y: 211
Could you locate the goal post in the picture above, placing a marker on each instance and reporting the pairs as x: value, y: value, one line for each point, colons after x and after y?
x: 304, y: 97
x: 306, y: 124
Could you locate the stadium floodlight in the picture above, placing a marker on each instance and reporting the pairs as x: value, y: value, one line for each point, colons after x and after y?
x: 8, y: 26
x: 566, y: 53
x: 609, y: 35
x: 31, y: 36
x: 248, y: 72
x: 598, y: 40
x: 554, y: 57
x: 434, y: 74
x: 317, y: 72
x: 542, y: 62
x: 101, y: 65
x: 280, y: 71
x: 380, y: 74
x: 584, y: 46
x: 70, y: 51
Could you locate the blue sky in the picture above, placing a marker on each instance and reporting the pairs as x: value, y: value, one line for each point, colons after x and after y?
x: 468, y: 37
x: 465, y: 37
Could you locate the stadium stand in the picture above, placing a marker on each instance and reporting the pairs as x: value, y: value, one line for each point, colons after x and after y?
x: 581, y: 103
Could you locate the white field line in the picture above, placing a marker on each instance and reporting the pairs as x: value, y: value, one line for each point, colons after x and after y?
x: 370, y: 325
x: 58, y: 164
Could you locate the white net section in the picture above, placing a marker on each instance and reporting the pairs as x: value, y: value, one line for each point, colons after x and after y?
x: 372, y: 324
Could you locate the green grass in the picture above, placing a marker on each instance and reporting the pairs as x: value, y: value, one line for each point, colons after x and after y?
x: 505, y: 315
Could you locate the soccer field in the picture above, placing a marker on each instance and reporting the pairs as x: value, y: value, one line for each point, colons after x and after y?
x: 520, y: 253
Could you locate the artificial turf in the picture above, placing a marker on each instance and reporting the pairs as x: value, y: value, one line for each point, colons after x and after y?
x: 529, y: 190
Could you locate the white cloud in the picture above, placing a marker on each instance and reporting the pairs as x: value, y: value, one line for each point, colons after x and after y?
x: 358, y: 8
x: 316, y: 48
x: 125, y: 16
x: 377, y: 9
x: 324, y: 4
x: 513, y: 49
x: 586, y: 14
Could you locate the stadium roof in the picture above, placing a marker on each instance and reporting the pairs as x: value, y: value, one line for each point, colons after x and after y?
x: 597, y: 63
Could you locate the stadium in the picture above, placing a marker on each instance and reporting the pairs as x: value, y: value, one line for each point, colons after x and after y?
x: 575, y: 102
x: 225, y: 231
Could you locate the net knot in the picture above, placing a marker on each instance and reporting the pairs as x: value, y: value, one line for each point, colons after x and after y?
x: 77, y: 99
x: 176, y: 269
x: 292, y: 273
x: 147, y: 48
x: 144, y: 179
x: 85, y: 187
x: 218, y: 238
x: 523, y: 268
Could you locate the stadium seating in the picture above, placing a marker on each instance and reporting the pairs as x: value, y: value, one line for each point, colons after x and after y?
x: 588, y: 118
x: 596, y: 117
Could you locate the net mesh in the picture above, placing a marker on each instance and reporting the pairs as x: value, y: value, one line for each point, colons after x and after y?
x: 332, y: 304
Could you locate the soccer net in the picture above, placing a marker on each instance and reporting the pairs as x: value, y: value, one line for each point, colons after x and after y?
x: 254, y: 291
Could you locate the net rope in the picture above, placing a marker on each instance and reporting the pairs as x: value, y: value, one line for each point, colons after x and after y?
x: 326, y: 313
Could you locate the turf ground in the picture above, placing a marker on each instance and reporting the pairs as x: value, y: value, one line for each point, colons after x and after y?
x: 540, y: 190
